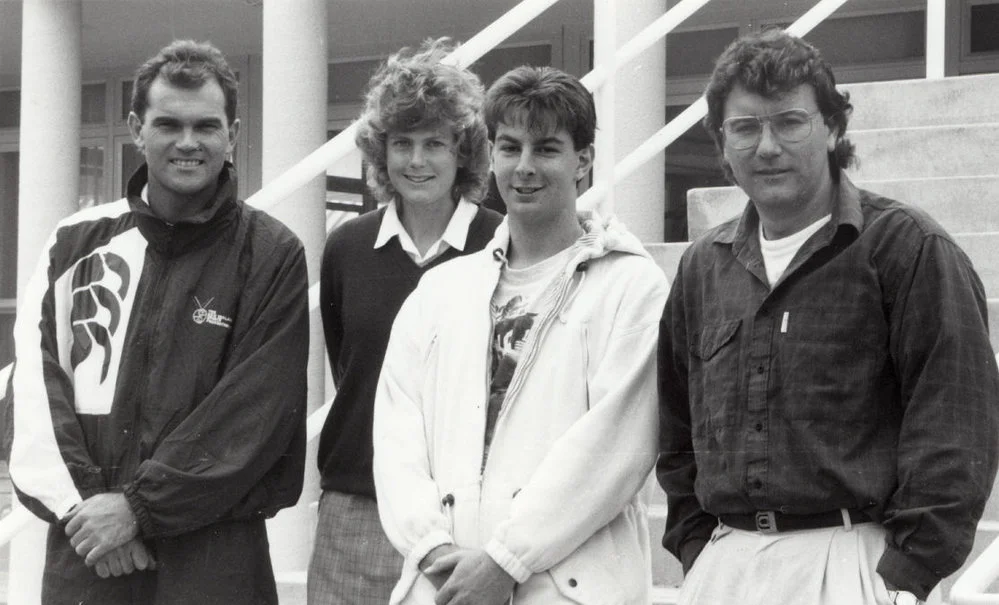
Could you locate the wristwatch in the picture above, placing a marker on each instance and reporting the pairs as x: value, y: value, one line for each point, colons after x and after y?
x: 903, y: 597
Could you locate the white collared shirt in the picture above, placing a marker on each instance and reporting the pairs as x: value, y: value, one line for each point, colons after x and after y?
x: 454, y: 236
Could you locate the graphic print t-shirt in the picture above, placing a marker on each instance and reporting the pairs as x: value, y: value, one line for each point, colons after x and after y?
x: 521, y: 296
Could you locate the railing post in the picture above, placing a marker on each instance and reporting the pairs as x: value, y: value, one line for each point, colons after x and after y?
x: 604, y: 49
x: 936, y: 27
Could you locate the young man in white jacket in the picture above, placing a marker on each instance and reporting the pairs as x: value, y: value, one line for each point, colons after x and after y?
x: 515, y: 416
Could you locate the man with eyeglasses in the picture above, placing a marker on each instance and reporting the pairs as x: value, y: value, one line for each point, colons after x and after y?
x: 828, y: 394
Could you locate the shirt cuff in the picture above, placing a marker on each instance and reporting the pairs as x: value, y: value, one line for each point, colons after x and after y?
x: 906, y: 574
x: 506, y: 559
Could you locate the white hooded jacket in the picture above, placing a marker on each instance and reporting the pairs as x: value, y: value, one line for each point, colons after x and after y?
x: 559, y: 505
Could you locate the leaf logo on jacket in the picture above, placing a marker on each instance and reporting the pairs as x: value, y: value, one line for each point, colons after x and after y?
x: 100, y: 284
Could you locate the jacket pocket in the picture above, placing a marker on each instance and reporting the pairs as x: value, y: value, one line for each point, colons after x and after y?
x: 714, y: 377
x: 606, y: 569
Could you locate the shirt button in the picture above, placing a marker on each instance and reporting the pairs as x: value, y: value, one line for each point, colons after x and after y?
x: 572, y: 582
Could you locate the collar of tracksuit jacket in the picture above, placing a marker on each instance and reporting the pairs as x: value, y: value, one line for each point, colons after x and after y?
x: 191, y: 233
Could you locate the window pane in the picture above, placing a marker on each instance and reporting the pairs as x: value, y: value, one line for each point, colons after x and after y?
x: 10, y: 108
x: 871, y: 38
x: 6, y: 338
x: 694, y: 53
x: 984, y: 25
x: 130, y: 160
x: 91, y: 176
x: 345, y: 82
x: 94, y: 98
x: 498, y: 61
x: 126, y: 99
x: 8, y: 223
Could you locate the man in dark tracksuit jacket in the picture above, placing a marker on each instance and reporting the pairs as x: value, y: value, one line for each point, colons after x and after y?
x: 159, y: 391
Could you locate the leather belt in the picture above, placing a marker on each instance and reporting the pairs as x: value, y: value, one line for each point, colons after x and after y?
x: 771, y: 522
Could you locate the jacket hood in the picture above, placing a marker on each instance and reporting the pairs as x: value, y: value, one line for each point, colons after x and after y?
x: 601, y: 236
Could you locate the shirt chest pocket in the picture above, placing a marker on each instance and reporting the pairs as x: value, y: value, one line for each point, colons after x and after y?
x: 832, y: 363
x: 714, y: 374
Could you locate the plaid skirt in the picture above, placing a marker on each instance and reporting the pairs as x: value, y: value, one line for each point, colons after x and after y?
x: 353, y: 561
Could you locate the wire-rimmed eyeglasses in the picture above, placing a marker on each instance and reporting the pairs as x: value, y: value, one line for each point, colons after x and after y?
x: 789, y: 126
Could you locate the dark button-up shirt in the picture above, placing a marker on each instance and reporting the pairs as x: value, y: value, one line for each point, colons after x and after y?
x: 862, y: 379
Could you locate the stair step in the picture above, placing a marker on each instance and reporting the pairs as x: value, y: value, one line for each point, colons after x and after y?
x: 959, y: 204
x: 667, y: 256
x: 964, y: 150
x: 902, y: 103
x: 291, y: 587
x: 665, y: 595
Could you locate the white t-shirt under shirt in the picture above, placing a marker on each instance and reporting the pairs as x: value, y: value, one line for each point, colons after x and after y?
x: 521, y: 295
x: 778, y: 253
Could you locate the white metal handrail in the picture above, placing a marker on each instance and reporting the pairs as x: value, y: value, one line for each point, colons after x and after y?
x: 688, y: 117
x: 339, y: 146
x: 654, y: 32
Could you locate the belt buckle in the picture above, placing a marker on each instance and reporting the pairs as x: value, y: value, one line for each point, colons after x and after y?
x: 766, y: 522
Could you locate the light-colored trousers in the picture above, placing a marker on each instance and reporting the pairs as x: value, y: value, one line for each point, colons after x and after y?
x: 828, y: 566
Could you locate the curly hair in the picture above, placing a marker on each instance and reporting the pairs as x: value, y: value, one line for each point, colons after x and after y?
x: 185, y: 64
x: 415, y: 91
x: 547, y: 99
x: 770, y: 64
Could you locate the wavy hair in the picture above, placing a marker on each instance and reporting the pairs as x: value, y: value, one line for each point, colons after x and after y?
x: 770, y: 64
x: 185, y: 64
x: 415, y: 91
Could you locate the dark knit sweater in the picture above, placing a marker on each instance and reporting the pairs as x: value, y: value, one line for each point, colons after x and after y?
x: 362, y: 289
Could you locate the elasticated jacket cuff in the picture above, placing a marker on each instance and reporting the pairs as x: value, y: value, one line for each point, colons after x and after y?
x: 906, y: 574
x: 689, y: 551
x: 506, y: 559
x: 138, y: 505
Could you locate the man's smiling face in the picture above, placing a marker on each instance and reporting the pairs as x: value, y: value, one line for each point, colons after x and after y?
x: 537, y: 171
x: 185, y: 137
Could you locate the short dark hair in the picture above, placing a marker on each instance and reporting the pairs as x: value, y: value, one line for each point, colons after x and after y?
x: 414, y: 91
x: 770, y: 64
x: 547, y: 99
x: 186, y: 64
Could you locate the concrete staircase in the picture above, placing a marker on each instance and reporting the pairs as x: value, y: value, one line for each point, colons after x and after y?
x: 932, y: 144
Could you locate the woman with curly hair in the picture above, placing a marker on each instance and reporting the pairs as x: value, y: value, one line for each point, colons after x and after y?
x: 424, y: 140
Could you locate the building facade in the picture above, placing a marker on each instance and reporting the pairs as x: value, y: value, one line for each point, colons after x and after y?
x: 65, y: 83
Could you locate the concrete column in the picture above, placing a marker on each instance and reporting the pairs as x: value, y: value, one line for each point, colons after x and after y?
x: 640, y: 100
x: 294, y: 125
x: 49, y: 176
x: 50, y: 125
